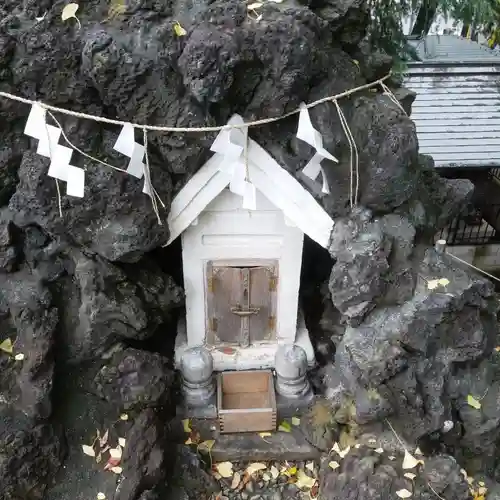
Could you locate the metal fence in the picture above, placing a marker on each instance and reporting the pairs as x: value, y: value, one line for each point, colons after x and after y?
x: 477, y: 226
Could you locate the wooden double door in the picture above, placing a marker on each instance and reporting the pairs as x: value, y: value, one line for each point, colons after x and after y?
x: 241, y: 302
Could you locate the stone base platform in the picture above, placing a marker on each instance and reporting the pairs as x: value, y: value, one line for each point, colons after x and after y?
x: 242, y: 447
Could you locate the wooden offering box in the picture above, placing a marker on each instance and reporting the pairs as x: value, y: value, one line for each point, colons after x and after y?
x: 246, y: 401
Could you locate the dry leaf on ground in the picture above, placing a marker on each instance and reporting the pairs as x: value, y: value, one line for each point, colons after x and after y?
x: 310, y: 466
x: 295, y: 421
x: 253, y: 468
x: 122, y: 442
x: 404, y: 493
x: 304, y: 481
x: 266, y: 477
x: 333, y: 465
x: 274, y: 472
x: 379, y: 451
x: 116, y: 469
x: 254, y: 6
x: 418, y: 451
x: 104, y: 439
x: 101, y: 496
x: 410, y: 475
x: 342, y: 453
x: 225, y: 469
x: 69, y: 11
x: 409, y: 461
x: 236, y: 480
x: 88, y: 450
x: 19, y: 357
x: 124, y: 417
x: 116, y: 453
x: 289, y: 471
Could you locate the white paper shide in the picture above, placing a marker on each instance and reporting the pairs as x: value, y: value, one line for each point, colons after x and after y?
x: 230, y: 143
x: 307, y: 133
x: 60, y: 156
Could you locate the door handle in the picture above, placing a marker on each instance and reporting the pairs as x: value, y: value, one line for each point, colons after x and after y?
x: 244, y: 313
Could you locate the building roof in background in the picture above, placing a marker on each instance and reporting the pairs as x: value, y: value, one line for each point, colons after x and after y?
x: 457, y: 112
x: 452, y: 48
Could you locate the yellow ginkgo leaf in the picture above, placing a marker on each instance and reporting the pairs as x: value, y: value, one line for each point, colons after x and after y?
x: 304, y: 481
x: 482, y: 490
x: 409, y: 461
x: 410, y: 475
x: 19, y: 356
x: 188, y: 441
x: 290, y: 471
x: 124, y: 417
x: 206, y: 445
x: 404, y: 493
x: 254, y: 6
x: 418, y: 451
x: 116, y: 453
x: 117, y: 469
x: 186, y: 425
x: 6, y: 346
x: 264, y: 434
x: 333, y: 465
x: 225, y: 469
x: 101, y: 496
x: 295, y: 421
x: 443, y: 281
x: 310, y: 466
x: 379, y: 451
x: 472, y: 401
x: 122, y: 442
x: 179, y: 30
x: 285, y: 427
x: 432, y: 284
x: 266, y: 477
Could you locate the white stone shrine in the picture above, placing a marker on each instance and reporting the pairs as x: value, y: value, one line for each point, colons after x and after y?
x: 242, y: 266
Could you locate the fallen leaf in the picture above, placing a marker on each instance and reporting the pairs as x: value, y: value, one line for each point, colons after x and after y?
x: 310, y: 466
x: 391, y: 457
x: 464, y: 473
x: 98, y: 459
x: 285, y: 427
x: 179, y: 30
x: 372, y: 441
x: 276, y: 1
x: 418, y: 451
x: 472, y: 401
x: 19, y: 357
x: 254, y: 6
x: 186, y: 425
x: 264, y: 435
x: 314, y: 491
x: 88, y: 450
x: 379, y: 450
x: 206, y: 445
x: 404, y: 493
x: 69, y: 11
x: 101, y: 496
x: 410, y: 475
x: 409, y: 461
x: 112, y: 462
x: 444, y: 281
x: 304, y: 481
x: 195, y: 437
x: 274, y: 472
x: 253, y: 468
x: 497, y: 349
x: 122, y: 442
x: 432, y: 284
x: 340, y: 452
x: 225, y: 469
x: 357, y: 446
x: 188, y: 441
x: 124, y: 417
x: 116, y: 453
x: 333, y: 465
x: 116, y: 469
x: 482, y: 490
x: 236, y: 480
x: 6, y: 346
x: 295, y: 421
x: 266, y: 477
x: 290, y: 471
x: 481, y: 483
x: 104, y: 439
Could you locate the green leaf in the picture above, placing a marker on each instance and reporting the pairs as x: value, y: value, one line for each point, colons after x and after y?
x: 6, y: 346
x: 179, y: 30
